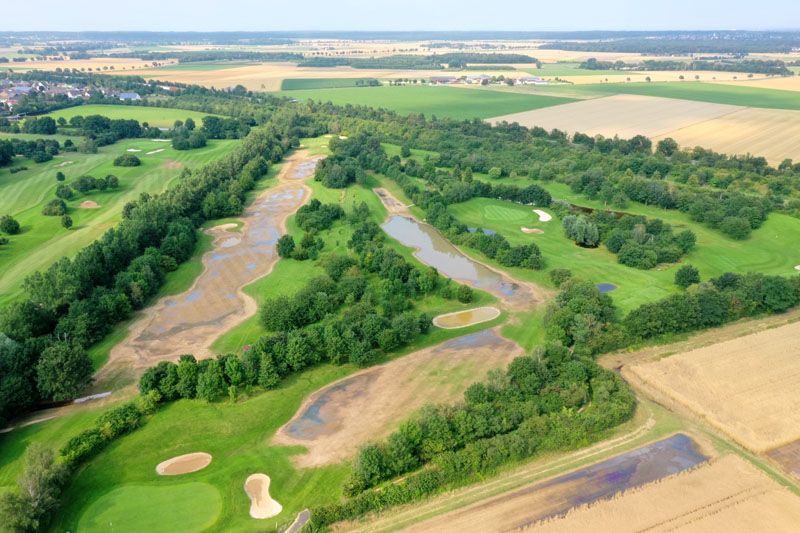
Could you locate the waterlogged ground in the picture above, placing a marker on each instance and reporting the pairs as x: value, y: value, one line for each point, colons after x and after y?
x: 190, y: 321
x: 333, y: 423
x: 529, y: 505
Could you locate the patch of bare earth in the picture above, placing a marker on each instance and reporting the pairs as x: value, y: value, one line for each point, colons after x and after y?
x: 728, y: 495
x: 189, y: 322
x: 745, y: 387
x: 334, y: 422
x: 172, y: 165
x: 89, y: 204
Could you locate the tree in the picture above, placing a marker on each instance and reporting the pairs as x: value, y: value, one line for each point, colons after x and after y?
x: 667, y: 147
x: 60, y: 176
x: 736, y: 227
x: 66, y: 221
x: 63, y: 371
x: 286, y: 246
x: 687, y: 275
x: 64, y: 191
x: 9, y: 225
x: 464, y: 294
x: 211, y: 383
x: 127, y: 160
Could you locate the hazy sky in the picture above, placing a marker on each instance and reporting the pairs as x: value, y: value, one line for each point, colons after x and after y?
x: 265, y: 15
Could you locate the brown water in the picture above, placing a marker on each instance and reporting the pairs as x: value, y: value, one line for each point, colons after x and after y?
x: 462, y: 319
x: 435, y: 250
x: 189, y: 322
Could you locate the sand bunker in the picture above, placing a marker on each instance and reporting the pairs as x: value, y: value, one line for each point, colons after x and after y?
x: 184, y: 464
x: 797, y: 267
x: 155, y: 151
x: 261, y: 504
x: 161, y: 140
x: 89, y: 204
x: 133, y: 150
x: 537, y: 231
x: 543, y: 216
x: 64, y: 163
x: 462, y: 319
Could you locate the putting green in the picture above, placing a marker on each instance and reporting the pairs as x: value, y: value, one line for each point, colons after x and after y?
x: 500, y: 212
x: 185, y: 507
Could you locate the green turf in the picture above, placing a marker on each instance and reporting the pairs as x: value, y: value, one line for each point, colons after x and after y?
x: 205, y: 66
x: 552, y: 70
x: 294, y: 84
x: 459, y: 103
x: 43, y: 240
x: 769, y: 250
x: 691, y: 90
x: 161, y: 117
x: 185, y: 506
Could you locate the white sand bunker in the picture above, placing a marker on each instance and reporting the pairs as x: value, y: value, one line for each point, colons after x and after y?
x: 161, y: 140
x: 797, y: 267
x: 462, y: 319
x: 531, y: 230
x: 155, y: 151
x: 134, y: 150
x: 64, y: 163
x: 543, y: 215
x: 184, y: 464
x: 261, y: 503
x: 88, y: 204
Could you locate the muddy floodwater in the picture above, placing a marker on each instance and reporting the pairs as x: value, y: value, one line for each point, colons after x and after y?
x: 189, y: 322
x: 469, y: 317
x: 433, y: 249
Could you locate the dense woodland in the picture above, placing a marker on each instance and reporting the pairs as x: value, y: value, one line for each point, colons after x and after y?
x: 754, y: 66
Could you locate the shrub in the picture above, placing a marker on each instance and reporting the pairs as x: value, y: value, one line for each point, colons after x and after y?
x: 464, y: 294
x: 127, y: 160
x: 559, y: 275
x: 9, y: 225
x: 55, y: 208
x: 687, y: 275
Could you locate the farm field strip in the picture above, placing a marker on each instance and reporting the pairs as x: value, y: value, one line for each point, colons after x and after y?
x: 726, y: 495
x: 162, y: 117
x: 745, y: 387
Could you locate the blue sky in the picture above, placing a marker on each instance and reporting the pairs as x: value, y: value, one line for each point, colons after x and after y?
x: 265, y: 15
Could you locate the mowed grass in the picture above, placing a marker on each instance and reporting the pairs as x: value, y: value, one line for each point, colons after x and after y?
x: 161, y: 117
x: 769, y: 250
x: 189, y: 506
x: 693, y: 90
x: 440, y: 101
x: 43, y: 240
x: 295, y: 84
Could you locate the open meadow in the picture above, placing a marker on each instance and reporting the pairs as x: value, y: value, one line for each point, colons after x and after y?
x: 43, y: 240
x: 160, y: 117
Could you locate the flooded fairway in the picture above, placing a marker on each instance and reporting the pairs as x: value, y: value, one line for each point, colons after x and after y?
x: 334, y: 422
x: 189, y: 322
x: 433, y: 249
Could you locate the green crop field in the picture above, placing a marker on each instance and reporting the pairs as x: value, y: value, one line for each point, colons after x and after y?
x: 161, y: 117
x: 43, y: 240
x: 440, y: 101
x: 691, y: 90
x: 551, y: 70
x: 204, y: 66
x: 295, y: 84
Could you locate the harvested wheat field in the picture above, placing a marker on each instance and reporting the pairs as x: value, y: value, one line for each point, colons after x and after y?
x: 746, y: 387
x: 189, y: 322
x: 333, y: 423
x: 728, y: 495
x: 261, y: 503
x: 782, y: 83
x: 183, y: 464
x: 771, y: 133
x: 788, y: 458
x: 625, y: 115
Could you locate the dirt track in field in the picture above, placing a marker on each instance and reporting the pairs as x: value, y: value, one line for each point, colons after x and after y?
x: 335, y: 421
x: 189, y: 322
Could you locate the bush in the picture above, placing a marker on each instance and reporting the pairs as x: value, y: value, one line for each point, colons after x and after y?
x: 559, y: 275
x: 736, y: 228
x: 9, y: 225
x: 687, y: 275
x: 55, y: 208
x: 464, y: 294
x: 127, y: 160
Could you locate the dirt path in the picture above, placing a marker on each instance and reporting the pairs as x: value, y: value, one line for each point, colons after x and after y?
x: 191, y: 321
x: 336, y: 420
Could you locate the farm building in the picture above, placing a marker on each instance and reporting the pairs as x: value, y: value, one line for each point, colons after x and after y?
x: 129, y: 96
